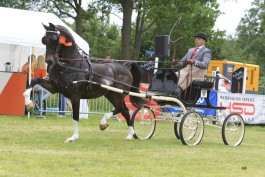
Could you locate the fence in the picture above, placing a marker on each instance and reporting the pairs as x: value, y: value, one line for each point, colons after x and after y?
x: 54, y: 104
x: 96, y: 106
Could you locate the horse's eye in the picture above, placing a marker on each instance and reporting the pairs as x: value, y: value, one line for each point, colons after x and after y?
x: 44, y: 40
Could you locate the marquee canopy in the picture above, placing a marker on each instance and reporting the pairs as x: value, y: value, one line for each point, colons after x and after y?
x: 21, y: 32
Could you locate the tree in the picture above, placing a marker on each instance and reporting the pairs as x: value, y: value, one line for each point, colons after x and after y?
x: 18, y: 4
x: 104, y: 39
x: 251, y: 33
x: 164, y: 14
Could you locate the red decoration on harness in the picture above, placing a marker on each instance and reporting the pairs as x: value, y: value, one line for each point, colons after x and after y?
x: 62, y: 40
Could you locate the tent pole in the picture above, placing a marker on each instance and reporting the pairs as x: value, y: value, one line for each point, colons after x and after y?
x: 29, y: 76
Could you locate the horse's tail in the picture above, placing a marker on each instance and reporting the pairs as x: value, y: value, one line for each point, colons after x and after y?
x: 137, y: 75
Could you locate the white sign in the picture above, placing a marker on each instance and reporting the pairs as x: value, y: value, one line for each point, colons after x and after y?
x: 250, y: 106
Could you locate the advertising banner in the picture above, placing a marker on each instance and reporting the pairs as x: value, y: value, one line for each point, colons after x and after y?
x: 201, y: 101
x: 250, y: 106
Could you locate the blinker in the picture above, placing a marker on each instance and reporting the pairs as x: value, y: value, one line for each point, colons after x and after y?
x: 45, y: 40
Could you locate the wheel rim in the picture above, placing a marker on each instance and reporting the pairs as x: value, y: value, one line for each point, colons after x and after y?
x: 144, y: 123
x: 192, y: 129
x: 234, y: 130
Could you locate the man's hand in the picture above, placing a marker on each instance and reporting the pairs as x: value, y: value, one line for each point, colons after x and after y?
x: 191, y: 61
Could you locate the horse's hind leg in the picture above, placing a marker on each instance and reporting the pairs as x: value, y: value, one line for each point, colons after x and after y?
x: 117, y: 101
x: 126, y: 115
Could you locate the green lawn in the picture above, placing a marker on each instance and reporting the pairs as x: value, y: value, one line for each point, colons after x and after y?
x: 35, y: 147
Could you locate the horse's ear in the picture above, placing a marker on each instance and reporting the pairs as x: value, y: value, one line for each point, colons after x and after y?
x: 46, y: 27
x: 52, y: 26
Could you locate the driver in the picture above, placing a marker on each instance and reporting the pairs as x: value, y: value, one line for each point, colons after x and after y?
x: 193, y: 66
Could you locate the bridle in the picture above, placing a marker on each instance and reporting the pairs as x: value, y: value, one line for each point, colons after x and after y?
x: 60, y: 42
x: 45, y: 40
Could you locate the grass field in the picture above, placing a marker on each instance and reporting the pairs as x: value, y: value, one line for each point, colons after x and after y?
x: 35, y: 147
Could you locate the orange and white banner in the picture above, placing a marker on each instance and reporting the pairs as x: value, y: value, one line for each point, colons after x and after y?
x: 12, y: 86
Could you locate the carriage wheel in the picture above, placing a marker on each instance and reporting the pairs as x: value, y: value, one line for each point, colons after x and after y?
x: 191, y: 128
x: 176, y: 130
x: 233, y: 130
x: 144, y: 123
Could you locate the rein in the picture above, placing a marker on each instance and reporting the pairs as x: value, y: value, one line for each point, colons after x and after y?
x: 93, y: 73
x: 101, y: 59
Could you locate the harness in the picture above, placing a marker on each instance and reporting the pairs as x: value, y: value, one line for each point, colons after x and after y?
x: 89, y: 71
x: 57, y: 60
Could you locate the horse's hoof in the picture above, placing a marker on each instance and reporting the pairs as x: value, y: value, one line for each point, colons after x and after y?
x: 103, y: 126
x: 68, y: 140
x: 30, y: 106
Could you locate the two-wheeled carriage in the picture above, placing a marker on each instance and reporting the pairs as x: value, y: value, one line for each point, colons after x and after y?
x: 188, y: 123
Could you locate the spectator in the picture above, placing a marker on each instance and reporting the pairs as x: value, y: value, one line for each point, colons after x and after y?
x: 107, y: 59
x: 40, y: 72
x: 25, y: 67
x: 224, y: 84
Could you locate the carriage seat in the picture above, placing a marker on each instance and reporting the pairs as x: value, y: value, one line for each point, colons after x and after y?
x: 164, y: 82
x: 202, y: 84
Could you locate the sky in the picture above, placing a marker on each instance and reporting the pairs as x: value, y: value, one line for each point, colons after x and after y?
x: 233, y: 11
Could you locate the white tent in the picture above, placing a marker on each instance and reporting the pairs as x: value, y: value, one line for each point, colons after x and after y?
x: 21, y: 32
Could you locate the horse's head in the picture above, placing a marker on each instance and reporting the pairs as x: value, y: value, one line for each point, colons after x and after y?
x: 56, y: 39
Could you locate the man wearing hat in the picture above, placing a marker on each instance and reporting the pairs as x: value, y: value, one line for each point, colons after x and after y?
x: 193, y: 66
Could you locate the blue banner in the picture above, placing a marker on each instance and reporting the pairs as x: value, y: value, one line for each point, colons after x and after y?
x: 201, y: 101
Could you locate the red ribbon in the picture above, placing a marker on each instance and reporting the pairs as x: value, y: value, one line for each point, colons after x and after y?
x: 62, y: 40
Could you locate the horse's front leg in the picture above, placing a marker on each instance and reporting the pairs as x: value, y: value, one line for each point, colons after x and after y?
x: 103, y: 122
x: 44, y: 83
x: 75, y: 104
x: 29, y: 103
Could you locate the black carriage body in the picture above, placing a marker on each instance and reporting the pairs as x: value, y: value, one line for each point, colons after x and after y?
x: 165, y: 82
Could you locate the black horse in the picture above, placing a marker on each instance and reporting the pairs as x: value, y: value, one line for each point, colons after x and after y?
x: 68, y: 64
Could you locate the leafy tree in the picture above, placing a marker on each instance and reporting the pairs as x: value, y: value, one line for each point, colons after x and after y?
x: 189, y: 20
x: 18, y: 4
x: 251, y: 34
x: 103, y: 38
